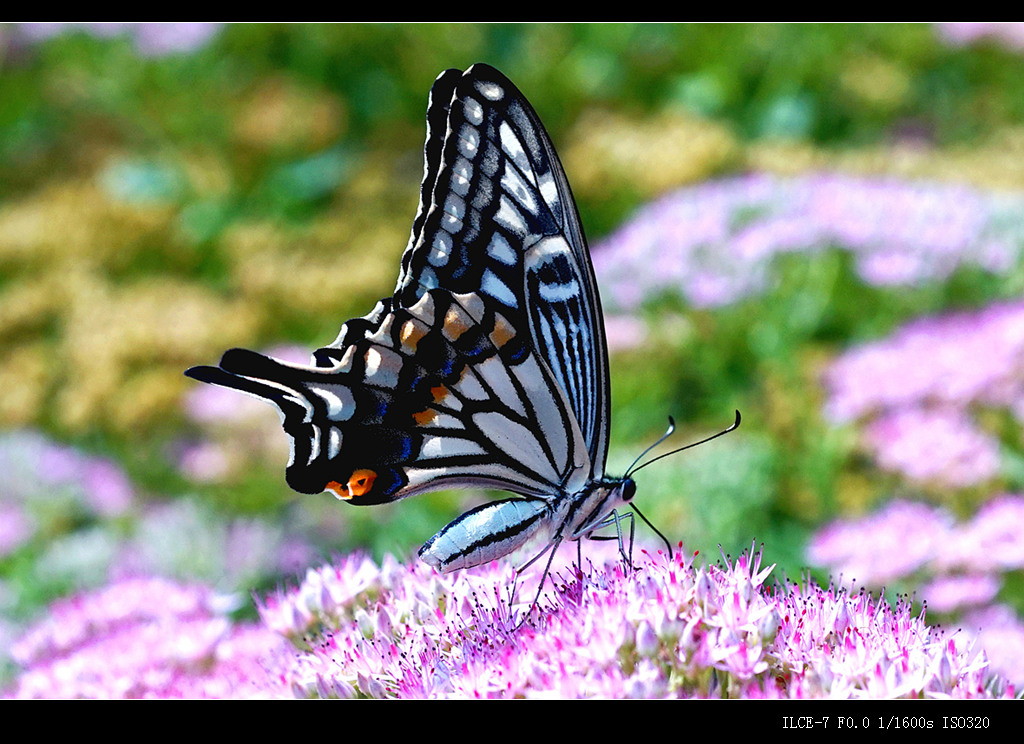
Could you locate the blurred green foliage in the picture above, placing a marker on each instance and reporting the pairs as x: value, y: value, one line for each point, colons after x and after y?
x: 155, y: 211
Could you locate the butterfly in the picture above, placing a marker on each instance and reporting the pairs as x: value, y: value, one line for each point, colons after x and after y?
x: 488, y: 365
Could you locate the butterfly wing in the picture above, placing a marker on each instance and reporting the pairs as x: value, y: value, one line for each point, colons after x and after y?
x: 503, y: 221
x: 488, y: 365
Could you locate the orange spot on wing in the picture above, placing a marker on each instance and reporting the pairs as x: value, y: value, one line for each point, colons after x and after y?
x: 454, y: 324
x: 424, y: 417
x: 502, y: 333
x: 360, y: 483
x: 411, y: 334
x: 339, y: 491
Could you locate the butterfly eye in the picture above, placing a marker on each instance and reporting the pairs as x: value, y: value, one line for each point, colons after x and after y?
x: 628, y: 489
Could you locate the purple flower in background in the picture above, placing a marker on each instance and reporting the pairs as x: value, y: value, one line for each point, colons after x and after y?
x: 104, y: 485
x: 34, y: 469
x: 960, y: 34
x: 918, y: 389
x: 947, y: 594
x: 185, y: 538
x: 940, y: 445
x: 714, y: 243
x: 890, y: 544
x: 998, y: 628
x: 158, y: 39
x: 16, y: 527
x: 957, y: 359
x: 151, y: 39
x: 991, y: 541
x: 905, y: 537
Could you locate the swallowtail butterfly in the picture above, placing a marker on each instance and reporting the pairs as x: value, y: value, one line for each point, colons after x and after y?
x: 486, y: 367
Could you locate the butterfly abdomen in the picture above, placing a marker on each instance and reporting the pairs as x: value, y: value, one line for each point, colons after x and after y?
x: 486, y: 533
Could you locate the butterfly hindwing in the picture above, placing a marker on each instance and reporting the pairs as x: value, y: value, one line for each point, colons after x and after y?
x: 426, y: 400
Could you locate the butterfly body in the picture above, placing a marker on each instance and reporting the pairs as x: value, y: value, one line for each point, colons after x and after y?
x: 486, y: 367
x: 502, y: 527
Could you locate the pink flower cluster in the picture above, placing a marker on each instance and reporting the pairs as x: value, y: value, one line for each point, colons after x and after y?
x: 666, y: 629
x: 145, y: 638
x: 918, y: 390
x: 957, y: 567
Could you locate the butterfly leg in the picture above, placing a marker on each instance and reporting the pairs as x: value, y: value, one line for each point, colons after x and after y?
x: 552, y: 549
x: 617, y: 519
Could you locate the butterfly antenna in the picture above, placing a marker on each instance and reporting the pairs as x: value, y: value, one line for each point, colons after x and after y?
x: 662, y: 438
x: 632, y: 470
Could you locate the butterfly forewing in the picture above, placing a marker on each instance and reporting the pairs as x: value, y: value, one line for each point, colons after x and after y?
x: 488, y: 364
x: 503, y: 221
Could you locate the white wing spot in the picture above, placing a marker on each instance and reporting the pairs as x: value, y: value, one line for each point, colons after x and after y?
x: 500, y: 250
x: 559, y: 292
x: 462, y: 172
x: 338, y: 398
x: 382, y: 367
x: 333, y: 442
x: 514, y: 149
x: 447, y: 446
x: 513, y: 183
x: 454, y: 206
x: 549, y: 192
x: 314, y: 445
x: 474, y: 111
x: 441, y: 248
x: 509, y: 217
x: 469, y: 141
x: 497, y: 289
x: 490, y: 91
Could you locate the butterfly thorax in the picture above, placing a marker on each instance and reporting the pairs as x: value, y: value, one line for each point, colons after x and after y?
x: 580, y: 513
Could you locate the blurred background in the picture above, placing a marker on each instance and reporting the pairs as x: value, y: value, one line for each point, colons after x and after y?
x: 818, y: 225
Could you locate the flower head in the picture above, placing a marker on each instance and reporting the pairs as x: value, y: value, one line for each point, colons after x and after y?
x: 667, y: 629
x: 144, y: 637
